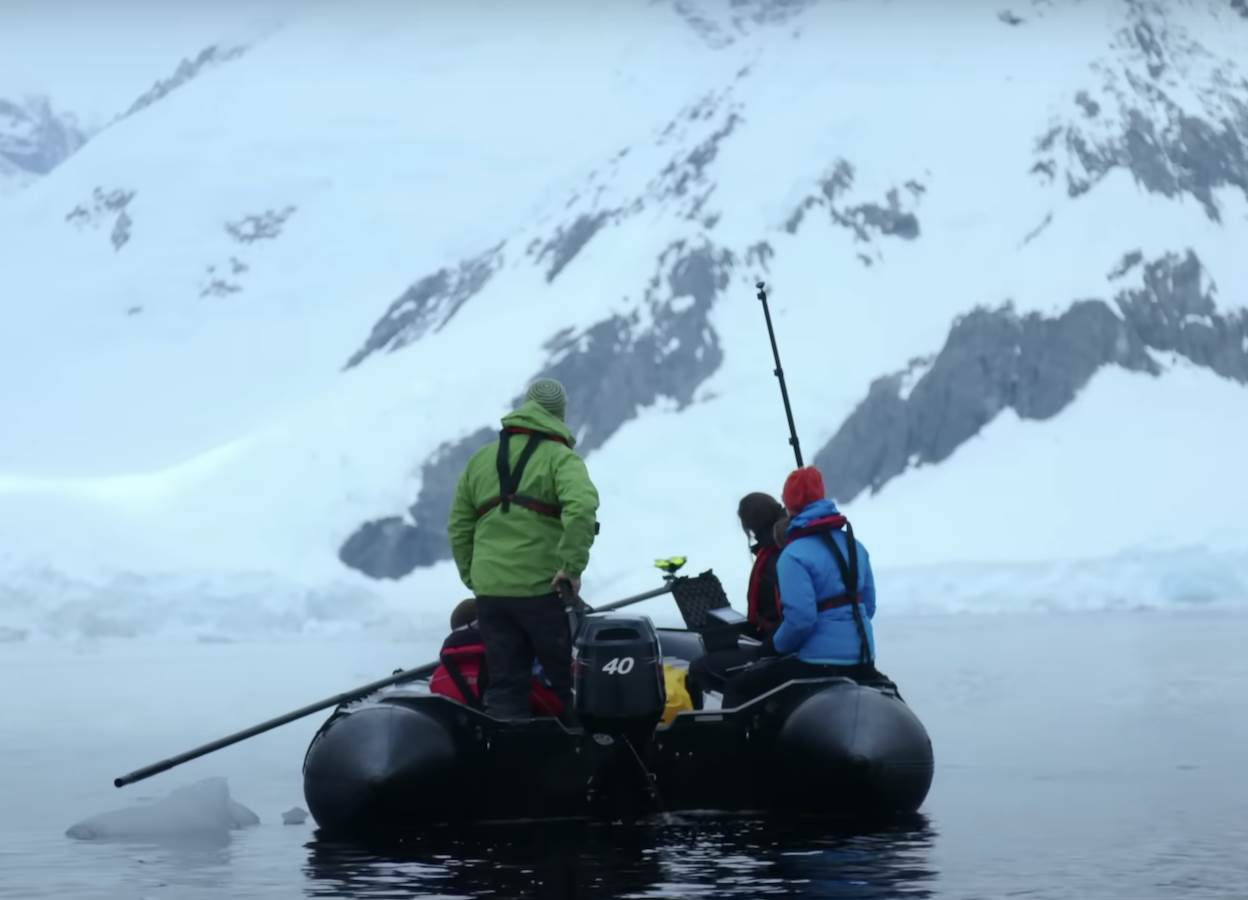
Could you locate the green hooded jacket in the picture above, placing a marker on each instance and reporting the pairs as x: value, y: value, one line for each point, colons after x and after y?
x: 516, y: 553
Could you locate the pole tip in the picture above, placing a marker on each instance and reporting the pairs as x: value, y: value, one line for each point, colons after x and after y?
x: 119, y: 782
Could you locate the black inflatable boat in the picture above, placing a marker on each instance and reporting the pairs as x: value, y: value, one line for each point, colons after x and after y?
x: 404, y: 759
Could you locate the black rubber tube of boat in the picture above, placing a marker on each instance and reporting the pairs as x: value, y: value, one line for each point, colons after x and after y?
x: 362, y: 691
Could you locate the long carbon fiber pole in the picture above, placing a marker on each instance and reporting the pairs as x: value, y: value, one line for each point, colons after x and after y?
x: 784, y: 390
x: 362, y: 691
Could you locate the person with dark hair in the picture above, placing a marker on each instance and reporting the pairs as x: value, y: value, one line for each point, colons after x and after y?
x: 462, y: 673
x: 827, y: 596
x: 759, y: 515
x: 521, y: 526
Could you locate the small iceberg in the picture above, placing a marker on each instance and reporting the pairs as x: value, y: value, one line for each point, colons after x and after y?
x: 203, y: 808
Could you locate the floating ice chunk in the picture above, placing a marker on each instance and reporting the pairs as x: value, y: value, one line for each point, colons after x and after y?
x: 203, y: 808
x: 295, y: 816
x: 241, y: 816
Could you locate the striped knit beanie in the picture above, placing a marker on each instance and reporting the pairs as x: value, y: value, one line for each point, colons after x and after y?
x: 549, y: 395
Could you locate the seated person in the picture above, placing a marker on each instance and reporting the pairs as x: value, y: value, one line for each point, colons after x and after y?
x: 827, y: 594
x: 759, y: 514
x: 461, y: 674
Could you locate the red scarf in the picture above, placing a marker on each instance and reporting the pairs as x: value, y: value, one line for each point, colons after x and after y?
x: 753, y: 601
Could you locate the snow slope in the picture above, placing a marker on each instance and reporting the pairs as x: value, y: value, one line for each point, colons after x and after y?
x: 181, y: 299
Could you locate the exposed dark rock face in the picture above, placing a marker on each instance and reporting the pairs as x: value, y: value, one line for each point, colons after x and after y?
x: 680, y: 174
x: 1128, y: 262
x: 1090, y: 107
x: 226, y: 279
x: 568, y: 242
x: 120, y: 235
x: 377, y: 548
x: 704, y: 26
x: 698, y: 131
x: 720, y: 25
x: 1173, y: 314
x: 618, y: 367
x: 429, y: 304
x: 187, y: 70
x: 838, y: 180
x: 995, y: 360
x: 265, y: 226
x: 34, y: 138
x: 1169, y: 149
x: 683, y: 181
x: 219, y: 283
x: 104, y: 205
x: 768, y: 12
x: 1038, y: 230
x: 890, y: 219
x: 612, y: 370
x: 760, y: 255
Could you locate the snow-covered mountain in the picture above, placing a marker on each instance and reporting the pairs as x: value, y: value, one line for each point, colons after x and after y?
x: 34, y: 140
x: 255, y: 327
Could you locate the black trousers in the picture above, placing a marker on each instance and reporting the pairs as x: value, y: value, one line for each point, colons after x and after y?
x: 515, y: 631
x: 774, y: 671
x: 710, y: 672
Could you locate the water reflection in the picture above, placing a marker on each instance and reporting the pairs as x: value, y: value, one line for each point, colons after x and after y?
x: 680, y: 856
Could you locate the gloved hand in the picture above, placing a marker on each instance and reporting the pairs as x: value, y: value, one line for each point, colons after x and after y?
x: 767, y: 648
x: 567, y: 579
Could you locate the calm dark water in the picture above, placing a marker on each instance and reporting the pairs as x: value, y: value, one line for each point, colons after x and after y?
x: 674, y: 858
x: 1077, y: 756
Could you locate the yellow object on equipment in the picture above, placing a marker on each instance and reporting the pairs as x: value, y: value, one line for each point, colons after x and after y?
x: 678, y: 699
x: 672, y: 564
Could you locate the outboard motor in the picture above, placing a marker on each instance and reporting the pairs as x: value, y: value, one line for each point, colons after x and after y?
x: 617, y: 677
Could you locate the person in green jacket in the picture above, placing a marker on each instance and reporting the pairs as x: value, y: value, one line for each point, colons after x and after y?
x: 523, y: 520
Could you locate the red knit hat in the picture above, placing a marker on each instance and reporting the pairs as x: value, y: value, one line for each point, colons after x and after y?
x: 803, y: 487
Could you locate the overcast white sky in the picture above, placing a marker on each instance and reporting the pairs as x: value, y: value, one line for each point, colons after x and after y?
x: 94, y: 57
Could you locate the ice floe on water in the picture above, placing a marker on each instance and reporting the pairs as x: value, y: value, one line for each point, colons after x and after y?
x: 203, y: 809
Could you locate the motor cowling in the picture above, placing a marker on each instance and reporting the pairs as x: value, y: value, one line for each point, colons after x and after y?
x: 617, y: 674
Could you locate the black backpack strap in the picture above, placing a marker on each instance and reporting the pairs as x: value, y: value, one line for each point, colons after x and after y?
x: 471, y: 697
x: 849, y: 575
x: 509, y: 478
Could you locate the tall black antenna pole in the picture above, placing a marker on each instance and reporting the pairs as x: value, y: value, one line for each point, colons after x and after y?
x: 784, y: 390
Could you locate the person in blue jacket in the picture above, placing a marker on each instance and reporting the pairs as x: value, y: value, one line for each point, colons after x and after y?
x: 827, y: 592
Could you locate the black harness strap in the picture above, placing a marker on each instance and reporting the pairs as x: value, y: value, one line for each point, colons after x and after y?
x: 849, y: 575
x: 537, y: 506
x: 836, y: 602
x: 471, y: 697
x: 508, y: 478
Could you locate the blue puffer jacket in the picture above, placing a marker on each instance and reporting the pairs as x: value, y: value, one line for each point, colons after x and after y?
x: 808, y: 573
